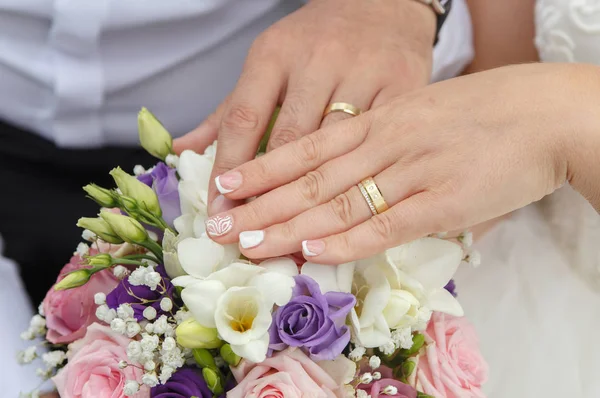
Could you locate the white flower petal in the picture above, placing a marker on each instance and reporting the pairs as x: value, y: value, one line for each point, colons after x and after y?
x: 276, y: 287
x: 232, y: 254
x: 184, y: 224
x: 200, y: 257
x: 345, y: 274
x: 199, y: 226
x: 431, y: 261
x: 241, y: 315
x: 331, y: 278
x: 172, y: 265
x: 377, y: 334
x: 281, y: 265
x: 236, y: 274
x: 184, y: 280
x: 194, y: 167
x: 192, y: 197
x: 255, y: 351
x: 441, y: 300
x: 201, y: 299
x: 377, y: 297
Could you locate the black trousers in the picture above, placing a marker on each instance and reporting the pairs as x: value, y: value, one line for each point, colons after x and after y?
x: 41, y: 200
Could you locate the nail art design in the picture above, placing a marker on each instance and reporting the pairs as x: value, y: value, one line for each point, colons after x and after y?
x: 219, y: 226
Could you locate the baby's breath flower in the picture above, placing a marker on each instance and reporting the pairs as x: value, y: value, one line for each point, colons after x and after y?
x: 149, y: 313
x: 133, y: 328
x: 100, y: 298
x: 374, y: 362
x: 357, y: 353
x: 131, y: 387
x: 166, y: 304
x: 150, y: 379
x: 120, y: 271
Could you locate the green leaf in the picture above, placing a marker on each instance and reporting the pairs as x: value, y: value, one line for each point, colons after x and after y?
x: 265, y: 140
x: 423, y: 395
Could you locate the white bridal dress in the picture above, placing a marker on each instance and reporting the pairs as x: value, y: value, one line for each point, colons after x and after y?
x: 535, y: 299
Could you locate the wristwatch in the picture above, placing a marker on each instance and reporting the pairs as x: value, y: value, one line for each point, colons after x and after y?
x: 441, y: 9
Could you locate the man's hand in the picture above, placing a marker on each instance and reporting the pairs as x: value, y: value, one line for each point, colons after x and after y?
x: 359, y: 52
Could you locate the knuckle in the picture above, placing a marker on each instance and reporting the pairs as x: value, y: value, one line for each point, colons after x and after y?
x: 310, y: 186
x: 283, y: 136
x: 241, y: 117
x: 309, y: 151
x: 342, y: 208
x: 383, y: 226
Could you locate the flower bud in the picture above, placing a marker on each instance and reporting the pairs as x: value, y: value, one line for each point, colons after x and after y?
x: 104, y: 197
x: 418, y: 342
x: 129, y: 205
x: 74, y: 279
x: 125, y: 227
x: 213, y: 380
x: 100, y: 228
x: 190, y: 334
x: 137, y: 190
x: 204, y: 358
x: 229, y: 356
x: 100, y: 260
x: 154, y: 137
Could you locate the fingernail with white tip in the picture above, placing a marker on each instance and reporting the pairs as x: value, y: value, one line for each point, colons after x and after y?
x: 228, y: 182
x: 312, y: 248
x: 249, y: 239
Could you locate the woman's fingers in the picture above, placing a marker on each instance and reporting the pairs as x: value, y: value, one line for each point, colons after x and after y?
x: 410, y: 219
x: 294, y: 160
x: 316, y: 187
x: 342, y: 213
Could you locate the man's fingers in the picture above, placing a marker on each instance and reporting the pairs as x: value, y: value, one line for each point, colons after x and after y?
x: 245, y: 119
x: 202, y: 136
x: 302, y: 108
x: 358, y: 90
x: 292, y: 161
x: 410, y: 219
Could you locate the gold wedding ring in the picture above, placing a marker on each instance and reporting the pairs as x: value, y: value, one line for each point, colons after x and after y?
x: 373, y: 196
x: 342, y: 107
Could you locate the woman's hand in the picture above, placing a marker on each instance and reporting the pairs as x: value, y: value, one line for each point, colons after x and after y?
x: 358, y: 52
x: 446, y: 157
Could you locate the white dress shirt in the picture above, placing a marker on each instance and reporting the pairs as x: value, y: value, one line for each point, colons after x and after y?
x: 77, y: 72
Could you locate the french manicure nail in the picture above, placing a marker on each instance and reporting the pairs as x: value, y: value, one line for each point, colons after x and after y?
x: 312, y: 248
x: 219, y: 225
x: 250, y: 239
x: 228, y: 182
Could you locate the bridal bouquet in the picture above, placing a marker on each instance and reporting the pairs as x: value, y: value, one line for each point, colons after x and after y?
x: 150, y: 306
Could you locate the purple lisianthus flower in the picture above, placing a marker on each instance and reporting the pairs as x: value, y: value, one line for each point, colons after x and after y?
x: 142, y: 296
x: 163, y: 180
x: 313, y: 321
x: 185, y: 383
x: 451, y: 287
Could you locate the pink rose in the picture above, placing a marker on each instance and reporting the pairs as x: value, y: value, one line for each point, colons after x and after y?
x: 287, y: 374
x: 452, y: 365
x: 376, y: 389
x: 93, y: 367
x: 69, y: 312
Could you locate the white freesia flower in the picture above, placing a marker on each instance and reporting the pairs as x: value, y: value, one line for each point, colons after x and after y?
x: 238, y: 301
x: 200, y: 257
x: 395, y: 289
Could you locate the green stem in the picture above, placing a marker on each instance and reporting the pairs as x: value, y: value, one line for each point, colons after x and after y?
x: 123, y: 261
x: 155, y: 248
x: 140, y: 257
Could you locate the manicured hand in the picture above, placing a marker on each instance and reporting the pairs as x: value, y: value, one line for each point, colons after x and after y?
x: 359, y: 52
x: 446, y: 157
